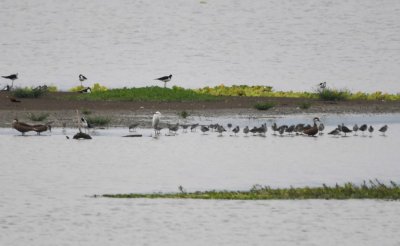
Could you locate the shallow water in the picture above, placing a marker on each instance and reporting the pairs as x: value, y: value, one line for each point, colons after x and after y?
x: 290, y: 45
x: 46, y: 183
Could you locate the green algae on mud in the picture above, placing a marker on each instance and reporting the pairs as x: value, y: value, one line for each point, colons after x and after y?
x: 370, y: 190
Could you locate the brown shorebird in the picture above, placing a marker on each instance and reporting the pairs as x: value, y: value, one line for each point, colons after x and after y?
x: 345, y: 129
x: 22, y: 127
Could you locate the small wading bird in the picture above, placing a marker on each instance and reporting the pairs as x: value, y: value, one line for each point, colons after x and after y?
x: 335, y: 132
x: 204, y: 129
x: 371, y: 130
x: 383, y: 129
x: 86, y: 90
x: 155, y: 122
x: 345, y: 129
x: 42, y: 128
x: 363, y: 128
x: 82, y: 78
x: 355, y: 129
x: 165, y: 79
x: 246, y: 130
x: 12, y: 77
x: 236, y: 130
x: 322, y: 85
x: 133, y: 127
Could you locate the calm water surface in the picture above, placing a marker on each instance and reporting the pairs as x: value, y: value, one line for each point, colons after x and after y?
x: 291, y: 45
x: 46, y: 181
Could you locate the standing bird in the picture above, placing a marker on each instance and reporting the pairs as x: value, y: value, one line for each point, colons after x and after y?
x: 334, y: 132
x: 193, y: 127
x: 220, y: 130
x: 82, y: 78
x: 383, y: 129
x: 321, y: 128
x: 312, y: 131
x: 165, y: 79
x: 236, y: 130
x: 345, y: 129
x: 204, y: 129
x: 12, y: 77
x: 156, y: 121
x: 371, y: 130
x: 21, y: 127
x: 363, y: 128
x: 133, y: 127
x: 246, y: 130
x: 355, y: 129
x: 229, y: 126
x: 322, y: 85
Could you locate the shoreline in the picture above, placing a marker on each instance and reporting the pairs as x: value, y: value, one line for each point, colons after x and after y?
x: 123, y: 113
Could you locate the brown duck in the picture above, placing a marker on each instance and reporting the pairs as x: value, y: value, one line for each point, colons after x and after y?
x: 41, y: 128
x: 312, y: 131
x: 22, y: 127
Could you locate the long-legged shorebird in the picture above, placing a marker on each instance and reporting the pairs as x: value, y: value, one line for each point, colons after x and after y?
x: 155, y: 122
x: 82, y: 78
x: 355, y: 129
x: 12, y: 77
x: 334, y: 132
x: 165, y: 79
x: 371, y: 130
x: 236, y: 130
x: 220, y: 130
x: 383, y: 129
x: 246, y: 130
x: 132, y: 127
x: 345, y: 129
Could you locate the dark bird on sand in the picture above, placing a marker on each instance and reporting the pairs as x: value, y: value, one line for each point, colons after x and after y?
x: 345, y: 129
x: 236, y: 130
x: 42, y: 128
x: 14, y: 100
x: 371, y: 130
x: 204, y: 129
x: 312, y: 131
x: 363, y: 128
x: 383, y: 129
x: 246, y: 130
x: 334, y: 132
x: 21, y: 126
x: 132, y: 127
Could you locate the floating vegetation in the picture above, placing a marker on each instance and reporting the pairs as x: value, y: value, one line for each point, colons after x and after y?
x: 264, y: 106
x: 367, y: 190
x: 38, y: 117
x: 98, y: 120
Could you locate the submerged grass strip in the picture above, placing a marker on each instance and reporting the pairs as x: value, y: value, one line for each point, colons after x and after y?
x: 371, y: 190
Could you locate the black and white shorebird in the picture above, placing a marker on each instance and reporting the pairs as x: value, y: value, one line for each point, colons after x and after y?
x: 165, y: 79
x: 12, y: 77
x: 82, y: 78
x: 322, y: 85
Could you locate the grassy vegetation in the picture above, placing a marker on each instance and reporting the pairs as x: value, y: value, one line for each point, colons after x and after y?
x: 38, y: 117
x: 28, y: 92
x: 95, y: 88
x: 264, y: 105
x: 183, y: 114
x: 153, y: 93
x: 98, y: 120
x: 305, y: 105
x: 370, y: 190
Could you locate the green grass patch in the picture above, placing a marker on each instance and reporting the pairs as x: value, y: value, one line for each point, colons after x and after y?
x: 38, y: 117
x: 264, y: 105
x: 28, y: 92
x: 305, y: 105
x: 370, y: 190
x: 334, y: 94
x: 183, y: 114
x: 98, y: 120
x: 153, y: 93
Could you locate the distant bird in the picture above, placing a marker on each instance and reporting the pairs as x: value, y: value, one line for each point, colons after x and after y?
x: 220, y: 130
x: 355, y: 129
x: 334, y: 132
x: 363, y: 128
x: 85, y: 90
x: 312, y: 131
x: 254, y: 130
x: 165, y: 79
x: 246, y: 130
x: 132, y: 127
x: 66, y: 137
x: 193, y: 127
x: 156, y: 121
x: 383, y: 129
x: 185, y: 127
x: 345, y: 129
x: 12, y: 77
x: 42, y: 128
x: 21, y: 127
x: 263, y: 129
x: 290, y: 129
x: 321, y: 128
x: 322, y: 85
x: 82, y: 78
x: 274, y: 128
x: 173, y: 128
x: 204, y: 129
x: 371, y: 130
x: 282, y: 129
x: 236, y: 130
x: 85, y: 124
x: 229, y: 126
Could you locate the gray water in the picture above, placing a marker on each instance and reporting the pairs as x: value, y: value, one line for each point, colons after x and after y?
x: 290, y: 45
x: 46, y: 184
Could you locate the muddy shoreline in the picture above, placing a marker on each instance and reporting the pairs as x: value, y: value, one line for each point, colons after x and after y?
x: 122, y: 113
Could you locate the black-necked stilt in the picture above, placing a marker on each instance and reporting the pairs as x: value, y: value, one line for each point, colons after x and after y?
x: 82, y: 78
x: 165, y: 79
x: 12, y: 77
x: 86, y: 90
x: 322, y: 85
